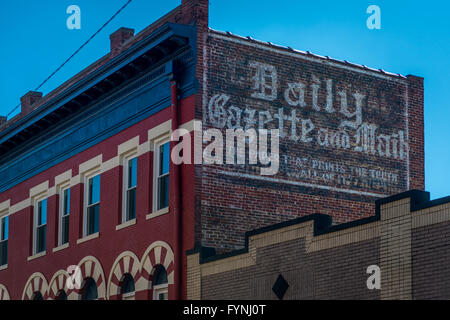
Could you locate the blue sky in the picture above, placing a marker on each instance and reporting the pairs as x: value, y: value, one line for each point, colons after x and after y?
x: 414, y: 39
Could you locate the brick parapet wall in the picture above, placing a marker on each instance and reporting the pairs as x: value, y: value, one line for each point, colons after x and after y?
x: 407, y: 239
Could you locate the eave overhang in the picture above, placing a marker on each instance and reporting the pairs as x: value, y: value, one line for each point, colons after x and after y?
x: 158, y: 48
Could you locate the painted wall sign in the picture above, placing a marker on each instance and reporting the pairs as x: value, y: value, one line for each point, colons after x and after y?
x: 339, y: 130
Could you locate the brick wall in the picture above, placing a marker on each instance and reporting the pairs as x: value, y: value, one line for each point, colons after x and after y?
x: 407, y: 238
x: 348, y: 135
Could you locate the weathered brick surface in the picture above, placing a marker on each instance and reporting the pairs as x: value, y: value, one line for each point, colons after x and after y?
x: 333, y: 158
x: 431, y: 257
x: 338, y: 273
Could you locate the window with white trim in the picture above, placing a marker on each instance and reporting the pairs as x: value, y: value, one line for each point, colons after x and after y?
x: 64, y: 211
x: 92, y: 205
x: 127, y: 287
x: 40, y: 226
x: 161, y: 174
x: 4, y: 234
x: 130, y: 185
x: 160, y: 284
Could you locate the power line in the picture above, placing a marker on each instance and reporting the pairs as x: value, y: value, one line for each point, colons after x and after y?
x: 73, y: 54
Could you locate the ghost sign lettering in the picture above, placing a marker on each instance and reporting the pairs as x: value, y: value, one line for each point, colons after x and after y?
x: 338, y: 131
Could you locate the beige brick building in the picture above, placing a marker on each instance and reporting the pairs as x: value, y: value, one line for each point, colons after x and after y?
x: 407, y: 238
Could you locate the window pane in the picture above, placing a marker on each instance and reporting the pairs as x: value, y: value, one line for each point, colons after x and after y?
x: 93, y: 219
x: 37, y: 296
x: 4, y: 229
x: 66, y: 204
x: 65, y: 230
x: 3, y: 252
x: 131, y: 204
x: 163, y: 192
x: 127, y: 284
x: 62, y: 295
x: 42, y: 212
x: 90, y: 290
x: 160, y: 276
x: 164, y: 159
x: 132, y: 173
x: 163, y: 296
x: 94, y: 190
x: 41, y: 234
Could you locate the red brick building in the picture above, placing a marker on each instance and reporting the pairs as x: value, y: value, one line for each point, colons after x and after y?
x: 85, y: 176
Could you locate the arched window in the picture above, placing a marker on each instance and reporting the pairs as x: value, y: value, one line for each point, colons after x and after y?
x: 89, y: 291
x: 37, y: 296
x: 127, y: 287
x: 160, y: 284
x: 61, y: 295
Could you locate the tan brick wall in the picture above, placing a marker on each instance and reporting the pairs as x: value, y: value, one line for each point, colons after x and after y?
x: 409, y: 239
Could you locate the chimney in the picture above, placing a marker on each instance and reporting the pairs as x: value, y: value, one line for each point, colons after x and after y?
x: 28, y: 100
x: 118, y: 38
x: 3, y: 120
x: 195, y: 12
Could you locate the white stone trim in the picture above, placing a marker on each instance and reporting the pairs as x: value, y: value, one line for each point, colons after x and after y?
x: 63, y: 178
x: 164, y: 129
x: 158, y: 213
x: 32, y: 285
x: 4, y: 206
x: 128, y: 146
x: 38, y: 190
x: 37, y: 255
x: 93, y: 164
x: 126, y: 224
x: 61, y: 247
x: 89, y: 237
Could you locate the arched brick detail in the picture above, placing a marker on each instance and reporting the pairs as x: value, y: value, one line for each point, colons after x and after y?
x: 158, y: 253
x: 91, y: 267
x: 4, y: 294
x: 36, y: 282
x: 57, y: 283
x: 126, y: 262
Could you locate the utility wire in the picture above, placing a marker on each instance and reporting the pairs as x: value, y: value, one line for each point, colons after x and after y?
x: 78, y: 50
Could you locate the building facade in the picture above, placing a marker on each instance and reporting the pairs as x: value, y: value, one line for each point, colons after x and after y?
x: 405, y: 244
x: 88, y: 192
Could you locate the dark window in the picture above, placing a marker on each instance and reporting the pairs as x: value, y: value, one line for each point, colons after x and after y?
x: 41, y: 226
x: 163, y: 176
x: 37, y: 296
x: 131, y: 189
x: 65, y: 211
x: 4, y: 233
x: 61, y: 295
x: 160, y: 276
x: 93, y: 205
x: 127, y: 284
x: 89, y: 290
x: 160, y: 284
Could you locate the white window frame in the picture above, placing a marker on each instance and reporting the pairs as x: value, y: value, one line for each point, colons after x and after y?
x: 87, y: 177
x: 61, y: 214
x: 125, y: 189
x: 3, y: 215
x: 157, y: 143
x: 37, y: 200
x: 159, y: 289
